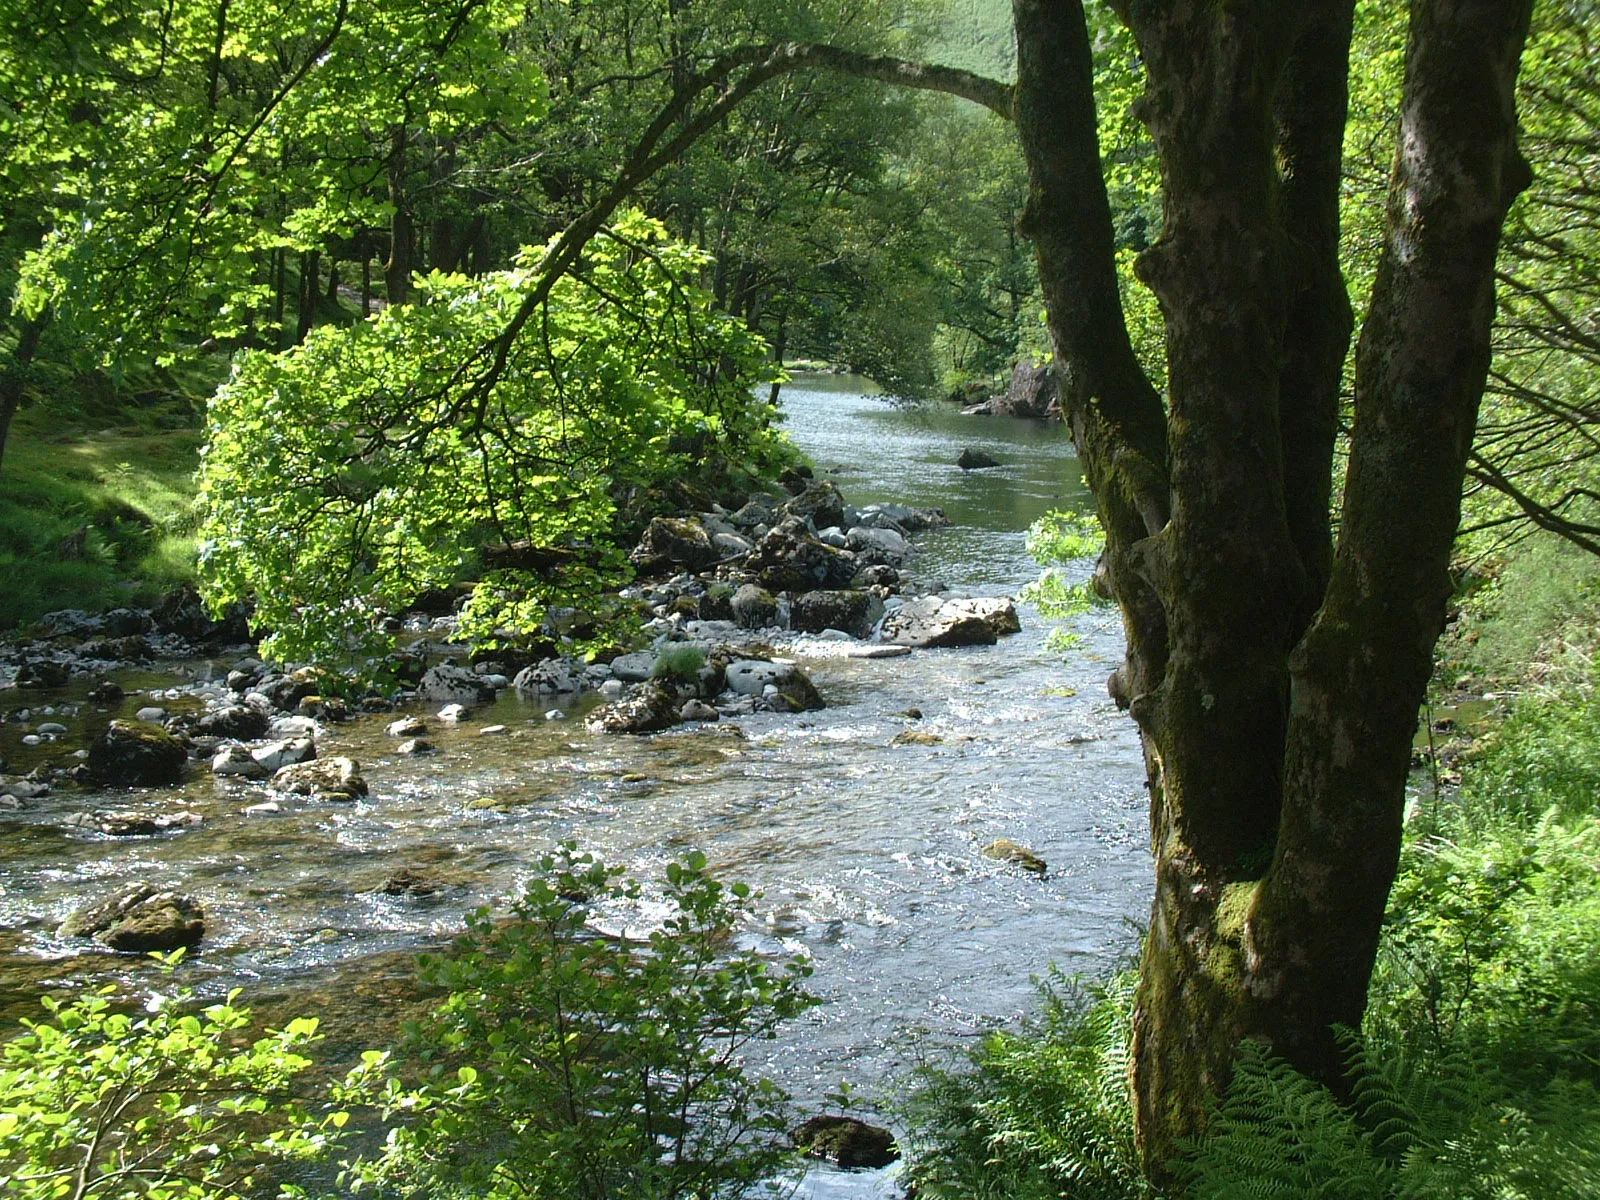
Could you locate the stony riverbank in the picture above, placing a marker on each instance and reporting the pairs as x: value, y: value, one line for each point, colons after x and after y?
x: 727, y: 602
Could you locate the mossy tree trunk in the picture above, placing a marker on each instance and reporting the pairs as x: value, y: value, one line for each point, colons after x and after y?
x: 1275, y: 680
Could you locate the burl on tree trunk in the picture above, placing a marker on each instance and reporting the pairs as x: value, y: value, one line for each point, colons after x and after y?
x: 1275, y: 681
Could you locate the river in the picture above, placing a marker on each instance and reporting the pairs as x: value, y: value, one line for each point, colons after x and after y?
x: 866, y: 853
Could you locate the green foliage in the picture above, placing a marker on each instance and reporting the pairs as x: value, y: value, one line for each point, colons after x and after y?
x: 350, y: 473
x: 171, y: 1104
x: 155, y: 153
x: 1440, y: 1132
x: 573, y: 1063
x: 1536, y: 616
x: 1041, y: 1112
x: 679, y: 662
x: 1061, y: 539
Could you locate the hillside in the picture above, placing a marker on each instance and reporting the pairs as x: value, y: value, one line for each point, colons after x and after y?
x: 978, y: 37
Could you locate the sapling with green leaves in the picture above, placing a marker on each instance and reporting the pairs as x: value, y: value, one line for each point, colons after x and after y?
x: 594, y: 1065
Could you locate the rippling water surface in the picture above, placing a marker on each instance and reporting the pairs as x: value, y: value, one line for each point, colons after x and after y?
x: 867, y: 853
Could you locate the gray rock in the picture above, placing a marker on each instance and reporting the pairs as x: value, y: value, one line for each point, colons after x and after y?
x: 237, y: 761
x: 835, y: 537
x: 552, y: 677
x: 274, y: 756
x: 879, y: 542
x: 698, y: 710
x: 820, y: 504
x: 239, y: 721
x: 323, y: 779
x: 1016, y: 854
x: 908, y: 519
x: 133, y: 753
x: 70, y: 622
x: 51, y: 729
x: 754, y: 607
x: 448, y: 684
x: 452, y: 714
x: 976, y: 460
x: 612, y: 689
x: 633, y: 668
x: 934, y: 621
x: 752, y: 514
x: 415, y: 746
x: 406, y: 727
x: 134, y: 824
x: 648, y: 710
x: 731, y: 545
x: 876, y: 575
x: 671, y: 541
x: 751, y: 677
x: 150, y: 713
x: 789, y: 559
x: 140, y: 919
x: 853, y: 612
x: 292, y: 727
x: 846, y: 1142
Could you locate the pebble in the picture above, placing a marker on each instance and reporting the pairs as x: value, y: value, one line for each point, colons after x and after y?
x: 150, y: 713
x: 31, y: 739
x: 555, y: 714
x: 453, y: 712
x: 491, y: 730
x: 52, y: 729
x: 264, y: 809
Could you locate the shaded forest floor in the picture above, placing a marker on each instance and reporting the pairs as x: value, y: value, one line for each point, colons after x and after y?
x: 94, y: 515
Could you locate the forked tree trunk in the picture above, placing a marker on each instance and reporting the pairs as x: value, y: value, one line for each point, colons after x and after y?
x: 1275, y: 684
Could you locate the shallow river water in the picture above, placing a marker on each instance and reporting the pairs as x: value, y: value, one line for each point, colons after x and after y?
x: 867, y: 853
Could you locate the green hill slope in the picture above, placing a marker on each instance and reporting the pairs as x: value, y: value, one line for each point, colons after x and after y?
x: 977, y: 37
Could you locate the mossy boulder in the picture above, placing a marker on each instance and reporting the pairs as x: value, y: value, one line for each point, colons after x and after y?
x: 674, y: 542
x: 1016, y: 854
x: 135, y: 754
x: 650, y: 709
x: 140, y: 919
x: 846, y: 1142
x: 854, y: 613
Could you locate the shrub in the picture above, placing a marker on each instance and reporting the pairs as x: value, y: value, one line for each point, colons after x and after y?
x: 679, y: 662
x: 570, y: 1063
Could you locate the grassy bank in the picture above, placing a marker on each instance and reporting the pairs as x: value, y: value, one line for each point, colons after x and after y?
x: 94, y: 517
x: 1478, y: 1067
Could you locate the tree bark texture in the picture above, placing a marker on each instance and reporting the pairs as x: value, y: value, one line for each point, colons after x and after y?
x: 1275, y: 683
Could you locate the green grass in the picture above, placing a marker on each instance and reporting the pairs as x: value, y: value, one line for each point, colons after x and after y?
x: 95, y: 518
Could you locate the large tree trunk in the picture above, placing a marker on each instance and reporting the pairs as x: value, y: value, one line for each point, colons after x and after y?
x: 1275, y: 684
